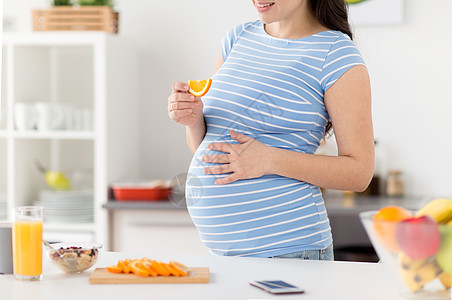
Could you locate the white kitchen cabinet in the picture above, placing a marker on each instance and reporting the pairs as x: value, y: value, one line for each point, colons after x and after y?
x: 93, y: 71
x: 161, y: 231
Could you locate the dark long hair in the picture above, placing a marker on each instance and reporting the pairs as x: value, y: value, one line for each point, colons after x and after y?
x: 332, y: 14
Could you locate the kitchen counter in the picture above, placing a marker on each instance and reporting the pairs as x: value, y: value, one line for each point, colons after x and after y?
x: 343, y: 212
x: 338, y: 204
x: 229, y: 277
x: 335, y: 203
x: 140, y: 205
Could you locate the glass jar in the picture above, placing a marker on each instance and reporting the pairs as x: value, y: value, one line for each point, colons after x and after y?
x: 394, y: 184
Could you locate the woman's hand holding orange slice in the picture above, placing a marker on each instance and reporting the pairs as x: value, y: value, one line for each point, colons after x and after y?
x: 184, y: 104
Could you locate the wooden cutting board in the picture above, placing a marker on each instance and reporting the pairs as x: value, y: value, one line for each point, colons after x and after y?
x: 102, y: 276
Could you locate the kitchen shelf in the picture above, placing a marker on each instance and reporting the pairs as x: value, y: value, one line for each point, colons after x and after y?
x: 92, y: 71
x: 56, y: 134
x: 141, y: 205
x: 62, y: 38
x: 70, y: 226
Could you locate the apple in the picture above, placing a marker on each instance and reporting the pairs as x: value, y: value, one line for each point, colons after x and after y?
x: 57, y: 181
x: 444, y: 255
x: 418, y: 237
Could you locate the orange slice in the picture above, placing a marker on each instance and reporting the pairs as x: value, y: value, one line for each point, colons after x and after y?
x: 173, y: 271
x: 114, y: 269
x: 147, y: 266
x: 138, y: 269
x: 179, y: 267
x: 199, y: 88
x: 124, y: 266
x: 160, y: 268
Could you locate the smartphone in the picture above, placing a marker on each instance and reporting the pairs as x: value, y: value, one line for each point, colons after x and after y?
x: 277, y: 287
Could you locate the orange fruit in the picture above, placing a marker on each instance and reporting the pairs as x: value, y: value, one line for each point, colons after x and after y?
x: 124, y: 266
x: 179, y: 267
x: 138, y: 269
x: 160, y: 268
x: 173, y: 271
x: 384, y: 224
x: 114, y: 269
x: 147, y: 266
x: 199, y: 88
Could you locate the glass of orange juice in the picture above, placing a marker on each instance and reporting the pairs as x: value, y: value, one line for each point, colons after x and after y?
x: 27, y: 243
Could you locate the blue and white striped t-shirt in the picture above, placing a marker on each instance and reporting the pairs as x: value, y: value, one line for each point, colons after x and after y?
x: 272, y: 90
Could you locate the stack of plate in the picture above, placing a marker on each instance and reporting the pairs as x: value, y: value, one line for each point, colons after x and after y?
x: 3, y: 207
x: 67, y: 206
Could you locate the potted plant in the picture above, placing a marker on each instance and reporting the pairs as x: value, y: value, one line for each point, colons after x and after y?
x: 61, y: 3
x: 108, y: 3
x: 95, y: 3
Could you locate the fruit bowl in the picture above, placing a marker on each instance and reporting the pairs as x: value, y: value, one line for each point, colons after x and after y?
x: 74, y: 257
x: 416, y: 251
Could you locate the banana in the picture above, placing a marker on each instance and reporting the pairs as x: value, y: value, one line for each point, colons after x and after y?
x: 410, y: 281
x: 408, y: 264
x: 428, y: 271
x: 446, y: 280
x: 416, y: 273
x: 438, y: 209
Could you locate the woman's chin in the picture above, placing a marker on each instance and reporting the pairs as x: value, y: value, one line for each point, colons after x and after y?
x: 266, y: 20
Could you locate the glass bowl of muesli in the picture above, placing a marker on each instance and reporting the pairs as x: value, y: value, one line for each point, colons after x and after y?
x: 74, y: 257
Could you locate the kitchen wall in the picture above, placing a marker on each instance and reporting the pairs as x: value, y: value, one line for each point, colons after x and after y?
x: 410, y: 66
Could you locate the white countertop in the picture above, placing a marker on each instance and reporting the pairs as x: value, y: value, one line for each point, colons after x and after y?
x: 229, y: 280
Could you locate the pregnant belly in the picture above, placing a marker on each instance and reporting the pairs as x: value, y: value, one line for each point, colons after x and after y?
x: 254, y: 215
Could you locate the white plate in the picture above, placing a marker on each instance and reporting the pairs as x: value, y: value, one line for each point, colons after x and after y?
x: 68, y: 218
x: 69, y: 221
x: 70, y: 214
x: 67, y: 201
x: 66, y: 205
x: 68, y: 210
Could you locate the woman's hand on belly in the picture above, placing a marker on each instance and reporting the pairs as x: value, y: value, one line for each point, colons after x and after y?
x: 245, y: 160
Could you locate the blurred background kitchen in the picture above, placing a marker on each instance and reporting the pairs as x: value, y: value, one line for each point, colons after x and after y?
x: 89, y: 110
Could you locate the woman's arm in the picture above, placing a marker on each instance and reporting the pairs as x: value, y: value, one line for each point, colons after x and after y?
x: 348, y: 102
x: 195, y: 133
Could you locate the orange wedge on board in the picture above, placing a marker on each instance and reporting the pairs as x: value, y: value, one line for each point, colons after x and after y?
x: 114, y: 269
x: 199, y: 88
x: 179, y: 267
x: 173, y: 271
x: 160, y: 268
x: 124, y: 266
x: 138, y: 269
x: 149, y: 267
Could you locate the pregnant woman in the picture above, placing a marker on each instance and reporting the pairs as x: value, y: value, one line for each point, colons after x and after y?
x: 280, y: 83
